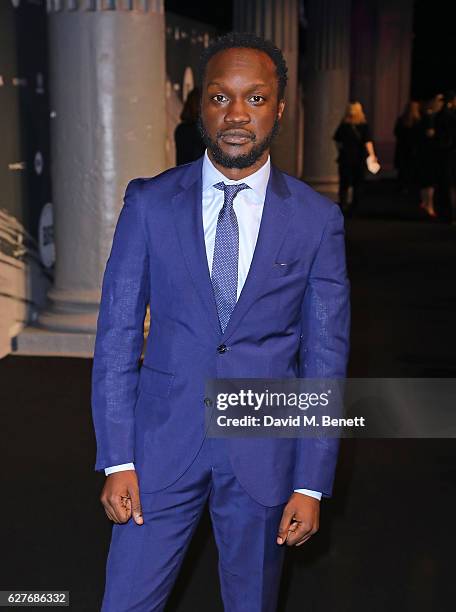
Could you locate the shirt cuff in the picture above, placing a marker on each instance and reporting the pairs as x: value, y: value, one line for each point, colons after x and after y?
x: 119, y: 468
x: 315, y: 494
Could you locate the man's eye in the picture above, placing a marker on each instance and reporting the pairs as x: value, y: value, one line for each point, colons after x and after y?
x: 220, y: 98
x: 257, y: 99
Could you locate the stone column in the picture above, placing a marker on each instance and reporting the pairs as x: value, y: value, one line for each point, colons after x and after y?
x: 277, y: 20
x: 107, y: 80
x: 381, y: 48
x: 326, y: 90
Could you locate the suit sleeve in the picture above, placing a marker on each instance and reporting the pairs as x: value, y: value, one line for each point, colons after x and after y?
x: 120, y: 335
x: 324, y: 346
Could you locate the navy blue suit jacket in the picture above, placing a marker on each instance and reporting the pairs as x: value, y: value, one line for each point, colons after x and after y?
x: 289, y: 321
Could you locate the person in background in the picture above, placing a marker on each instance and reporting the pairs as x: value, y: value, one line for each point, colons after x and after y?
x: 406, y: 131
x: 354, y: 143
x: 445, y: 135
x: 427, y: 154
x: 189, y: 143
x: 451, y: 104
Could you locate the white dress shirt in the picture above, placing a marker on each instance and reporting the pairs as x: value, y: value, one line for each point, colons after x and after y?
x: 248, y: 206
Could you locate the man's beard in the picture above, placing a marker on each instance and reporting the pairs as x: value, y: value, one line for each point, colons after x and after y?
x: 244, y: 160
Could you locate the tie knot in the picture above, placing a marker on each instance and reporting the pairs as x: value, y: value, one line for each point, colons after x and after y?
x: 231, y: 191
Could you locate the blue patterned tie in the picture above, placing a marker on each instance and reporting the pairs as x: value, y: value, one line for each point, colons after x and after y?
x: 226, y: 254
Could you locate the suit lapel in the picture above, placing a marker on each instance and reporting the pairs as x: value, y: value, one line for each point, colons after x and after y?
x: 273, y: 228
x: 187, y: 208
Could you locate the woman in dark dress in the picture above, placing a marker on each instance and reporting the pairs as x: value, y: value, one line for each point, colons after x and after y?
x: 407, y: 132
x: 451, y: 160
x: 189, y: 144
x: 354, y: 143
x: 445, y: 135
x: 428, y: 154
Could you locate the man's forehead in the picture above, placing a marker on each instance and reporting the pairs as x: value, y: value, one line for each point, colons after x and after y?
x: 240, y: 58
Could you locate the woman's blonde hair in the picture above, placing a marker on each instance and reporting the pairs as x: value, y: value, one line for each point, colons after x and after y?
x: 354, y: 113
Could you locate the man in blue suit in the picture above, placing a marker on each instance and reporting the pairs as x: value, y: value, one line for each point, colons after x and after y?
x: 244, y: 270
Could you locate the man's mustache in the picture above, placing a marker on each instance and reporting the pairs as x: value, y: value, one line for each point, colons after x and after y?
x: 237, y: 133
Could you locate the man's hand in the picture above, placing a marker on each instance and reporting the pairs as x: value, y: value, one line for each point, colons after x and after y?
x: 300, y: 520
x: 120, y: 497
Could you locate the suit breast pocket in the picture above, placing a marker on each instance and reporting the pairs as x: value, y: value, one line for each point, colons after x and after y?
x: 281, y: 268
x: 155, y: 382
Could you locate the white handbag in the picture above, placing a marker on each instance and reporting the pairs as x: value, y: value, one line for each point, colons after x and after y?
x: 372, y: 165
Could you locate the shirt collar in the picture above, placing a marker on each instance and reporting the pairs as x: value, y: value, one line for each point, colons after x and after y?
x: 258, y: 181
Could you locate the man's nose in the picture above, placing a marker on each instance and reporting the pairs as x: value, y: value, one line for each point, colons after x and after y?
x: 237, y: 112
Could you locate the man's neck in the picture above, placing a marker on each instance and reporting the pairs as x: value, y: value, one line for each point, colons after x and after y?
x: 236, y: 174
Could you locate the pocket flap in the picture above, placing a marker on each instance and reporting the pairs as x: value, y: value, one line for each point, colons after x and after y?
x: 283, y: 268
x: 156, y: 382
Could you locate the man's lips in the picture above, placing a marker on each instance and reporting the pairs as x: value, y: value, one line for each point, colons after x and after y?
x: 236, y: 137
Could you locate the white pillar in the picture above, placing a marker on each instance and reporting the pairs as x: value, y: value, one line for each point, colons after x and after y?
x: 391, y: 87
x: 277, y: 20
x: 326, y: 91
x: 107, y: 79
x: 381, y: 48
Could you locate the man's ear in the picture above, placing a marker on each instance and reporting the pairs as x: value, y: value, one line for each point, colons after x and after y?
x: 280, y: 109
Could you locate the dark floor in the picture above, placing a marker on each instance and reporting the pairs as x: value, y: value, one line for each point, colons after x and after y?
x: 386, y: 540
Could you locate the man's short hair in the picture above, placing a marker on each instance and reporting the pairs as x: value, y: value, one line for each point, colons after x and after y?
x: 246, y: 40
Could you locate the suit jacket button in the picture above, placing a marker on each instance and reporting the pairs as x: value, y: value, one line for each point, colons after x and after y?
x: 207, y: 401
x: 222, y: 349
